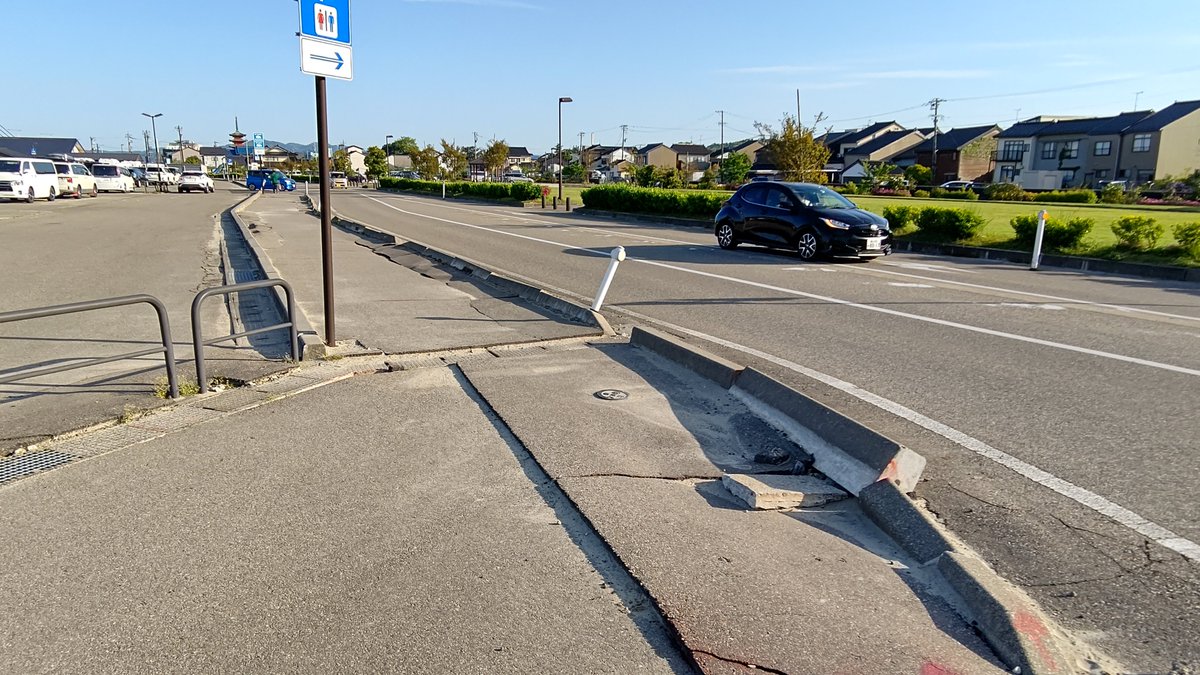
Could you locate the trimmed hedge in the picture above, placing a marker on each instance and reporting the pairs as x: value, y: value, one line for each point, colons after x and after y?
x: 1138, y: 232
x: 950, y: 224
x: 1058, y: 235
x: 1006, y: 192
x: 943, y: 193
x: 1188, y: 236
x: 1080, y: 196
x: 518, y: 191
x: 900, y: 217
x: 658, y: 201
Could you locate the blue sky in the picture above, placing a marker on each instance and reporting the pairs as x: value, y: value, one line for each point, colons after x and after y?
x: 447, y: 68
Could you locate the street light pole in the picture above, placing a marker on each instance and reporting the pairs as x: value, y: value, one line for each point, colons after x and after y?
x: 387, y: 141
x: 561, y: 100
x: 154, y: 129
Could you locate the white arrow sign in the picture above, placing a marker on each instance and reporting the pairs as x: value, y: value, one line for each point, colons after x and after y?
x: 318, y: 57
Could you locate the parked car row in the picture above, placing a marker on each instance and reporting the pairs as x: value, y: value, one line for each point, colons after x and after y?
x: 30, y: 178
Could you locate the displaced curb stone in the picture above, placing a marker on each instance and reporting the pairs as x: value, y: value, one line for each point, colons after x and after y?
x: 699, y: 361
x: 775, y: 491
x: 904, y: 521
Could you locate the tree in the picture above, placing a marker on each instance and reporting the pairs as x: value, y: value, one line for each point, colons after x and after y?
x: 455, y: 160
x: 341, y: 161
x: 191, y: 160
x: 376, y: 162
x: 425, y: 162
x: 919, y: 175
x: 797, y: 153
x: 495, y: 157
x: 643, y: 175
x: 573, y: 173
x: 407, y: 145
x: 733, y: 169
x: 879, y: 173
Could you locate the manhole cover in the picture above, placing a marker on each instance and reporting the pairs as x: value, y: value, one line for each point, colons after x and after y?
x: 612, y: 395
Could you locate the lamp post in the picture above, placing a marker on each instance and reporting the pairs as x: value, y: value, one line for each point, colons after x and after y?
x: 387, y: 141
x: 561, y: 100
x: 154, y: 129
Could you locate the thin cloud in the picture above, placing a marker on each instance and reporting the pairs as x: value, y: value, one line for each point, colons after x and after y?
x: 772, y: 70
x: 925, y: 74
x: 509, y: 4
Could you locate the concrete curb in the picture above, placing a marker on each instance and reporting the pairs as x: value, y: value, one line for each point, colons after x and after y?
x: 572, y: 311
x: 1011, y: 622
x: 704, y: 364
x: 311, y: 345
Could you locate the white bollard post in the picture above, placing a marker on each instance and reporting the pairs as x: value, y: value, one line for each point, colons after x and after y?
x: 1037, y: 241
x: 305, y: 188
x: 443, y: 189
x: 618, y: 254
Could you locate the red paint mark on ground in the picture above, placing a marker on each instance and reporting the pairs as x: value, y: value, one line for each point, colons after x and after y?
x: 1031, y: 626
x: 928, y: 668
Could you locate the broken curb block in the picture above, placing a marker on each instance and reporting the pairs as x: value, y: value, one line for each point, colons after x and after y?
x: 706, y: 365
x: 904, y: 521
x: 853, y: 455
x: 1008, y: 619
x: 772, y: 491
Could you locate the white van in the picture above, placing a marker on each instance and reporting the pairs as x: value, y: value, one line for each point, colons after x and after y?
x: 28, y: 178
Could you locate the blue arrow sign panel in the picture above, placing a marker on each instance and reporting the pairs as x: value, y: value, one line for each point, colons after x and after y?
x: 325, y: 20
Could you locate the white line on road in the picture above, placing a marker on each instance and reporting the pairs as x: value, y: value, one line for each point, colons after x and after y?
x: 825, y: 298
x: 1112, y: 510
x: 910, y: 265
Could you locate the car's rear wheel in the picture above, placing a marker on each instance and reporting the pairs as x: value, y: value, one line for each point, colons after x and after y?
x: 95, y: 191
x: 29, y: 199
x: 726, y: 238
x: 806, y: 245
x: 78, y: 192
x: 53, y: 195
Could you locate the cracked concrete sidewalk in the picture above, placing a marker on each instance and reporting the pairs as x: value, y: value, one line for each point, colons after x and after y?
x: 492, y: 514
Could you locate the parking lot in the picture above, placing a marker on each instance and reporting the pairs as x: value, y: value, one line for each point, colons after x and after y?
x: 167, y: 245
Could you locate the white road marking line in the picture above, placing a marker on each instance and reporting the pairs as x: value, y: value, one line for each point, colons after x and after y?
x: 893, y: 263
x: 825, y: 298
x: 1121, y: 308
x: 1023, y: 305
x: 902, y: 284
x: 1112, y: 510
x: 1120, y: 514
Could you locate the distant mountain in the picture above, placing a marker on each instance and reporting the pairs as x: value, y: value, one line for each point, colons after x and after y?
x: 298, y: 148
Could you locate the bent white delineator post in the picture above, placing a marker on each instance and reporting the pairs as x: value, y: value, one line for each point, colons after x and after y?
x: 618, y: 254
x: 1037, y: 241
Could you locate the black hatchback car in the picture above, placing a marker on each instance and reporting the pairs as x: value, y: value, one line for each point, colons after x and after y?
x: 809, y: 219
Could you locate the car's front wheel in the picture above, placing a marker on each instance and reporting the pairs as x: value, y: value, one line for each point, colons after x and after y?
x: 79, y: 192
x: 806, y: 245
x: 726, y: 238
x: 29, y: 199
x: 53, y: 195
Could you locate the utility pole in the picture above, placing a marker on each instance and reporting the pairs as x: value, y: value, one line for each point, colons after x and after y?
x: 722, y: 113
x: 179, y: 128
x: 92, y: 143
x: 128, y: 142
x: 146, y: 137
x: 585, y: 169
x: 797, y: 106
x: 934, y: 105
x: 475, y: 145
x: 1136, y: 96
x: 624, y: 131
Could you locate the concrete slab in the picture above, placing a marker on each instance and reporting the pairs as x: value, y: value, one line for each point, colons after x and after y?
x: 673, y: 424
x: 379, y: 524
x: 771, y: 590
x: 767, y: 491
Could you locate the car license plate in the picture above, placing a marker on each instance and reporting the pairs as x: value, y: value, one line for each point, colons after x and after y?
x: 874, y: 243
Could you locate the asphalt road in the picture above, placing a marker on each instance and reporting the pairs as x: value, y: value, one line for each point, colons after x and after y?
x: 163, y: 244
x: 1058, y: 410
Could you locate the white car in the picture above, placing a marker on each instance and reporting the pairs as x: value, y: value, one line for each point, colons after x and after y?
x: 113, y: 178
x: 74, y: 180
x: 27, y: 178
x: 195, y: 179
x: 157, y: 174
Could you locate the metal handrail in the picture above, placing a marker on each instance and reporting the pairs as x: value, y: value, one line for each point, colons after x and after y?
x: 164, y: 327
x: 198, y: 342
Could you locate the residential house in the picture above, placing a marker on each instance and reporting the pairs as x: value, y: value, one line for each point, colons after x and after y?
x: 611, y: 161
x: 277, y: 155
x: 966, y: 153
x: 358, y: 159
x: 212, y: 157
x: 519, y: 156
x: 885, y: 147
x: 1166, y: 143
x: 841, y: 142
x: 172, y: 154
x: 657, y: 154
x: 29, y: 146
x: 691, y: 158
x: 749, y: 148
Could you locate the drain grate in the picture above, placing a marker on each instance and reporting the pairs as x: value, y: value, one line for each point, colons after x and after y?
x: 106, y: 440
x: 30, y: 463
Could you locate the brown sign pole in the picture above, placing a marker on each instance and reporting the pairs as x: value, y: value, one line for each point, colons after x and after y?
x: 326, y: 213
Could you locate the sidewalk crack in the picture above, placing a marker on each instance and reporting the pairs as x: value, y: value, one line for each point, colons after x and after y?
x: 674, y: 479
x: 744, y: 664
